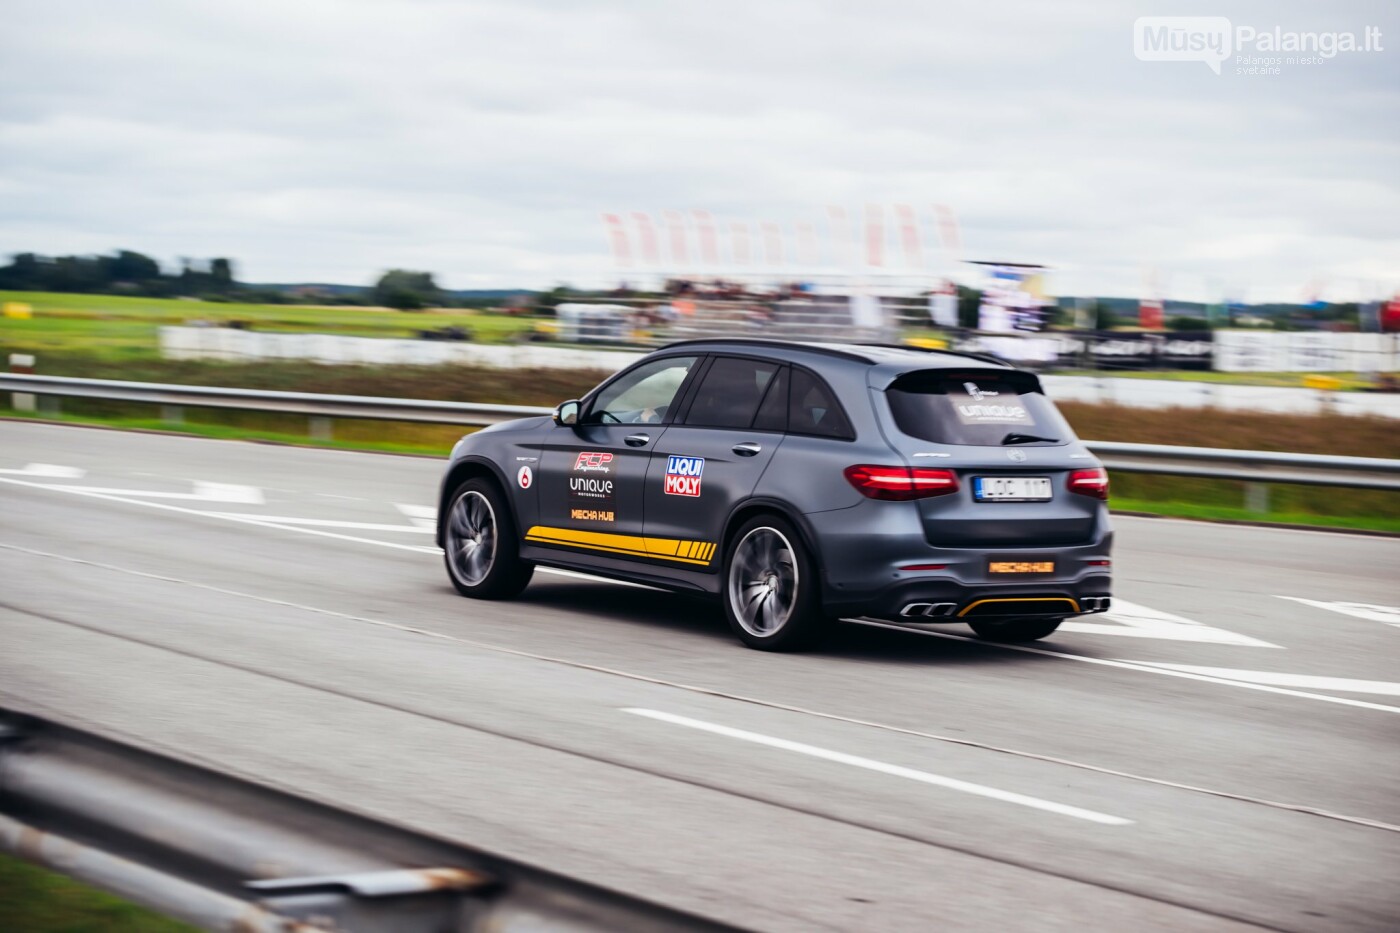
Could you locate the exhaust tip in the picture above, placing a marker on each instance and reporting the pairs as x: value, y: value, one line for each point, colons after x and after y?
x: 916, y: 609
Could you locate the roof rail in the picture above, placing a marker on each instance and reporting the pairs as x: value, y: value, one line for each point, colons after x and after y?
x: 984, y: 357
x: 824, y: 349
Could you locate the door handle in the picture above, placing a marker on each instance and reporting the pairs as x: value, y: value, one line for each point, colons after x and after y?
x: 637, y: 440
x: 746, y: 449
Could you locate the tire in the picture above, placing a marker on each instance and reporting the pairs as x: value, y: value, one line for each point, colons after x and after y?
x: 1011, y: 631
x: 481, y: 547
x: 767, y: 562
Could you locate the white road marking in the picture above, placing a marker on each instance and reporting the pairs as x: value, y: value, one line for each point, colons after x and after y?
x: 704, y: 691
x: 323, y: 522
x: 1390, y: 615
x: 870, y: 764
x: 48, y: 469
x: 425, y: 516
x: 1305, y: 681
x: 1136, y: 621
x: 203, y: 492
x: 1131, y: 666
x: 224, y: 516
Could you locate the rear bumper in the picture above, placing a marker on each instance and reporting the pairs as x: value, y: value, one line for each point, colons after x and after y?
x: 952, y: 601
x: 866, y: 571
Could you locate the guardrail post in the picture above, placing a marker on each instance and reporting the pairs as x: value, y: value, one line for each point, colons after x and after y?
x: 1256, y: 497
x: 319, y: 428
x: 22, y: 363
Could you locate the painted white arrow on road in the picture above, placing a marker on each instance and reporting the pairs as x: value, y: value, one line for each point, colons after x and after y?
x: 48, y: 469
x: 1132, y: 620
x: 1390, y: 615
x: 1276, y: 679
x: 203, y: 492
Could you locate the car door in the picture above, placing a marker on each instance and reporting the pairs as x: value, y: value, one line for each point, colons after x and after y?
x: 592, y: 476
x: 714, y: 456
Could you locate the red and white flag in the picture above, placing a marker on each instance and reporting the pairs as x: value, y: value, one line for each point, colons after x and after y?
x: 709, y: 245
x: 675, y: 229
x: 874, y: 235
x: 909, y: 236
x: 617, y: 240
x: 646, y: 238
x: 739, y: 247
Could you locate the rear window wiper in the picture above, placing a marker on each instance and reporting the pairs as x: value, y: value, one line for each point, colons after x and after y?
x: 1016, y: 438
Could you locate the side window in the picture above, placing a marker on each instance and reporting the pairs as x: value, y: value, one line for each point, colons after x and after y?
x: 772, y: 414
x: 642, y: 396
x: 813, y: 410
x: 730, y: 393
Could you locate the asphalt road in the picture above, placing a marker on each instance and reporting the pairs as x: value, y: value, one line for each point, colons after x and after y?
x: 1215, y: 754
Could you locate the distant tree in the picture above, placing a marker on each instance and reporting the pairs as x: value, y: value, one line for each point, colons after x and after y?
x: 133, y: 267
x: 1102, y: 316
x: 969, y: 306
x: 1183, y: 322
x: 221, y: 274
x: 405, y: 290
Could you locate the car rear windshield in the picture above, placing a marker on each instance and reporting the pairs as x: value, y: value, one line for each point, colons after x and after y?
x: 982, y: 408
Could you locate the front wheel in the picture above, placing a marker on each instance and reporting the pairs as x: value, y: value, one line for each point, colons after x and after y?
x: 481, y: 548
x: 1011, y: 631
x: 770, y: 589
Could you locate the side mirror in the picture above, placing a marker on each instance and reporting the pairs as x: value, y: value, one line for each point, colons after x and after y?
x: 567, y: 413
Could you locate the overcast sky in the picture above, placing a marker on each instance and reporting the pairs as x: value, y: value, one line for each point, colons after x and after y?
x: 312, y: 140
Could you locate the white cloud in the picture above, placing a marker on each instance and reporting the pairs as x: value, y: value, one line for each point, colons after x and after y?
x: 328, y: 140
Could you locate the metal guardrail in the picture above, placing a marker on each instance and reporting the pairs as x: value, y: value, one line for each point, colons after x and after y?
x: 231, y: 855
x: 1203, y: 462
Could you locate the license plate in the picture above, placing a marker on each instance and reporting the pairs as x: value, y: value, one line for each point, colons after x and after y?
x: 1021, y: 566
x: 1011, y: 488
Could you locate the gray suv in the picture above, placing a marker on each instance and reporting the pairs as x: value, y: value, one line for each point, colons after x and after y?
x: 798, y: 484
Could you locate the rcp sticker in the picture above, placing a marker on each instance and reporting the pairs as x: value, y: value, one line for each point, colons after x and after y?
x: 525, y: 477
x: 592, y: 461
x: 683, y: 476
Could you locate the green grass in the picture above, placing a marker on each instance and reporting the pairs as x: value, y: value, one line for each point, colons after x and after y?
x: 1349, y: 381
x: 35, y: 900
x: 119, y: 328
x: 1220, y: 513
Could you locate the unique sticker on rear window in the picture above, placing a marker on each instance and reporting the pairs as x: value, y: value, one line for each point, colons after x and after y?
x: 683, y: 476
x: 976, y: 405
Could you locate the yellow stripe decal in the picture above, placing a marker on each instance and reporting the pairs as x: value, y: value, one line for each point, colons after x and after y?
x: 687, y: 552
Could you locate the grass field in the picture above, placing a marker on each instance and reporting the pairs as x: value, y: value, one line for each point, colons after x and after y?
x: 116, y: 328
x: 33, y: 900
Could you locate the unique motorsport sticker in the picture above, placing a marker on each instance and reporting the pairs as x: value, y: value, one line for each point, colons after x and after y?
x: 525, y: 477
x: 590, y: 487
x: 590, y: 515
x: 983, y: 406
x: 683, y: 476
x: 592, y: 461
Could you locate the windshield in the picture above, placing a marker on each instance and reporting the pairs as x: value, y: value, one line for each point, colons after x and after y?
x: 977, y: 409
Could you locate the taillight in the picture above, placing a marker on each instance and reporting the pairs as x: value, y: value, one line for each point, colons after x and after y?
x: 1090, y: 483
x: 901, y: 483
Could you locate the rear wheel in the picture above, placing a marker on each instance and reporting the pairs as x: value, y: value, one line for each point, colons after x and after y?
x: 770, y: 591
x: 1014, y: 630
x: 480, y: 544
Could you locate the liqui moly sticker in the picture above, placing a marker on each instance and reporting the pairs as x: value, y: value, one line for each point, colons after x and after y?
x: 683, y: 476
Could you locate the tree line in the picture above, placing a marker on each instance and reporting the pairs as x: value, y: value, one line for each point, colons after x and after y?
x: 127, y: 272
